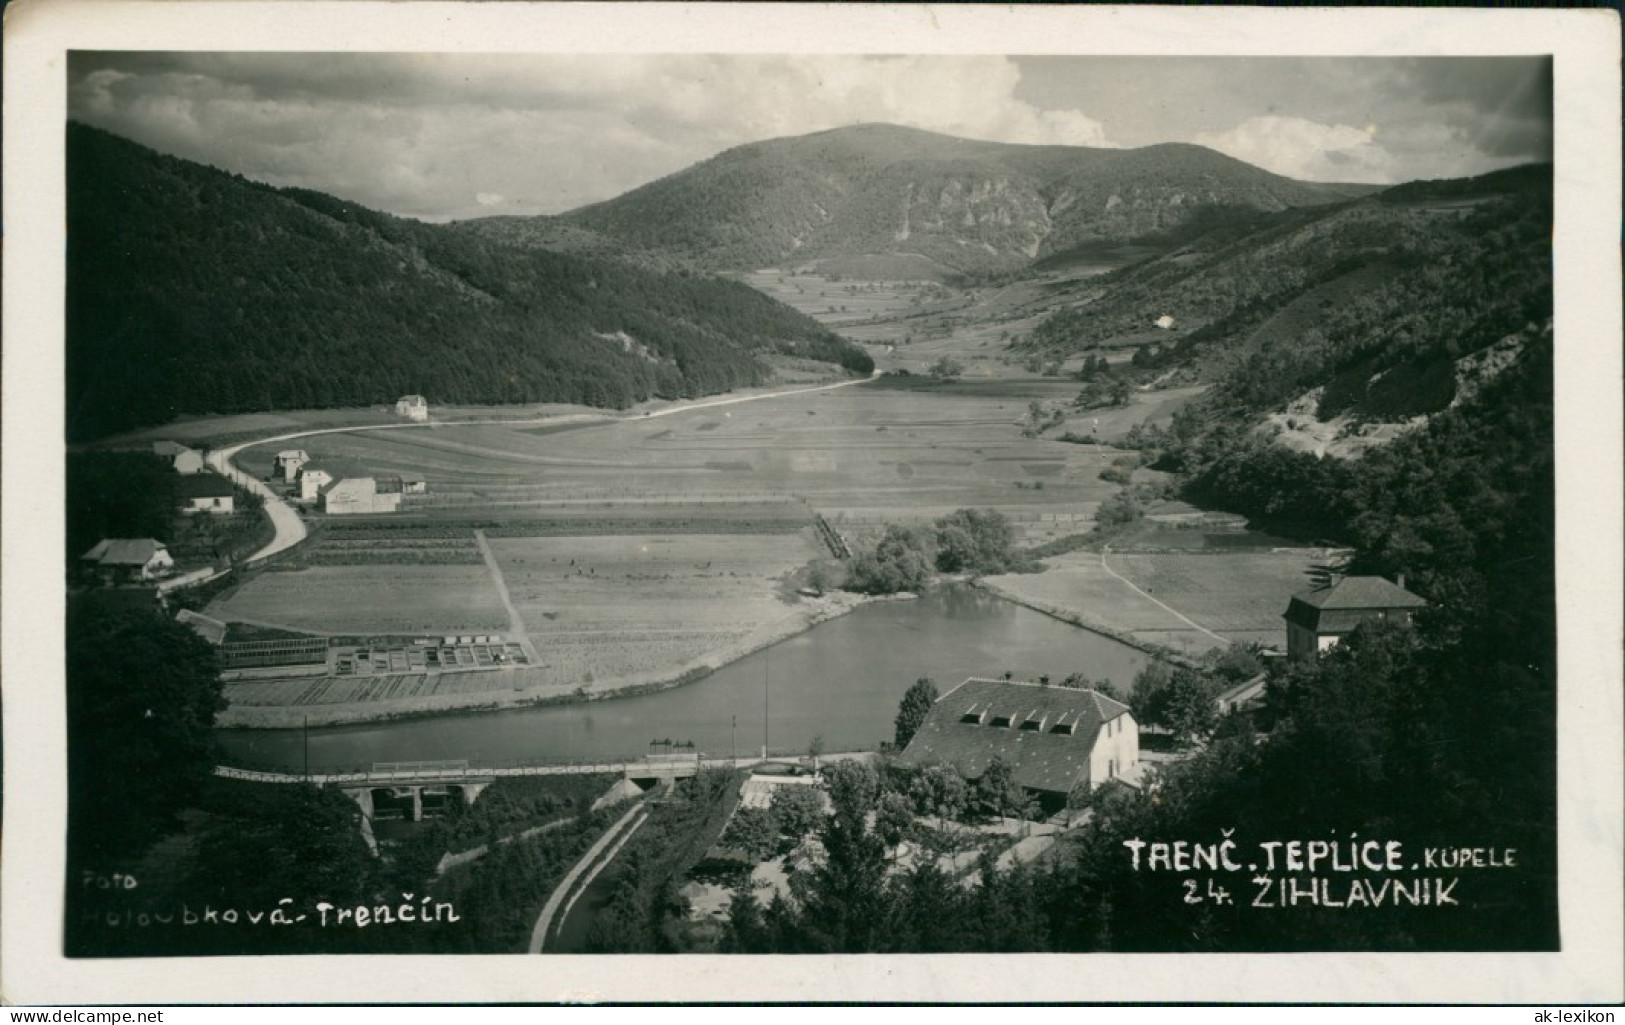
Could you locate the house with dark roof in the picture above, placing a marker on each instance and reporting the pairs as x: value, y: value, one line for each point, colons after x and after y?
x: 1320, y: 618
x: 205, y: 492
x: 127, y: 560
x: 1053, y: 738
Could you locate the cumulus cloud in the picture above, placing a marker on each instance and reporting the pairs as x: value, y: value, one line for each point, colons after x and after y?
x: 421, y: 134
x: 1299, y: 148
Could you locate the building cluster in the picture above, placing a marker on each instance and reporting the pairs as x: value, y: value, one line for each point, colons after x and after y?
x: 338, y: 490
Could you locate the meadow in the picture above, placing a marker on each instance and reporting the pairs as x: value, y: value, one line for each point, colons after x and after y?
x: 1189, y: 602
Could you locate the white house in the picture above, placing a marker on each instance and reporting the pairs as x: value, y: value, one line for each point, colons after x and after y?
x: 413, y: 407
x: 312, y: 479
x: 288, y: 462
x: 1165, y: 322
x: 121, y: 560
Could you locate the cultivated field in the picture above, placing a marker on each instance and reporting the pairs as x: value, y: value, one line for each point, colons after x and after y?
x: 645, y: 607
x: 897, y: 448
x: 388, y: 599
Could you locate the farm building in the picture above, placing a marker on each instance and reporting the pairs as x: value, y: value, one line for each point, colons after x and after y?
x: 312, y: 479
x: 288, y: 462
x: 1055, y: 739
x: 1165, y: 322
x: 402, y: 484
x: 205, y: 492
x: 354, y: 495
x: 1320, y: 618
x: 122, y: 560
x: 413, y: 407
x: 181, y: 458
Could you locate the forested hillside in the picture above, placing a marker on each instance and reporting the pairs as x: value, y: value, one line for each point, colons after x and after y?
x: 967, y: 206
x: 1371, y: 301
x: 194, y: 291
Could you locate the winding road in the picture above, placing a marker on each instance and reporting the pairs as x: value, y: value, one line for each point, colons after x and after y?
x: 290, y: 529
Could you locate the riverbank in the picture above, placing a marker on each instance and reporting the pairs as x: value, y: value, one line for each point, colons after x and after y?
x: 516, y: 688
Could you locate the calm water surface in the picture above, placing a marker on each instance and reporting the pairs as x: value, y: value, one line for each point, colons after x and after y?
x: 840, y: 680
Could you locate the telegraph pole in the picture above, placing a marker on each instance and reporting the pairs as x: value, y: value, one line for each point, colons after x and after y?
x: 307, y: 749
x: 767, y: 670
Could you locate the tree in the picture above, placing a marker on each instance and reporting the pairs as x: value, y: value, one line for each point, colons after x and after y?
x: 975, y: 541
x: 1179, y: 699
x: 843, y: 898
x: 798, y: 809
x: 900, y: 561
x: 946, y: 369
x: 893, y: 817
x: 912, y: 710
x: 296, y: 840
x: 853, y: 788
x: 142, y: 694
x: 939, y: 790
x: 996, y: 793
x: 746, y: 932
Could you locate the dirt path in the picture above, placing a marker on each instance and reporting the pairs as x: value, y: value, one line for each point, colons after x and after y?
x: 1106, y: 550
x: 544, y: 921
x: 516, y: 625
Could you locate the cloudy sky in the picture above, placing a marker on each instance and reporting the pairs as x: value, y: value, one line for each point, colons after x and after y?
x: 452, y: 136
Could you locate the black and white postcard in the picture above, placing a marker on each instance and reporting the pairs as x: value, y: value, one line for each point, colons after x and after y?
x: 504, y: 488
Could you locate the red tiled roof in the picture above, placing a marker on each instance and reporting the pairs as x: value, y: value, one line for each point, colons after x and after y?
x: 1041, y: 757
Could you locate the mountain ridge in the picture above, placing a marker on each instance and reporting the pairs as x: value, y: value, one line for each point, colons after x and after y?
x: 973, y: 207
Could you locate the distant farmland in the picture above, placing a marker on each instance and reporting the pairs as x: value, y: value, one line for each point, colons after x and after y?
x: 893, y: 448
x: 382, y: 599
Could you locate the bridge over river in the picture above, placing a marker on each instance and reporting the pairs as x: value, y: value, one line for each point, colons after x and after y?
x: 443, y: 780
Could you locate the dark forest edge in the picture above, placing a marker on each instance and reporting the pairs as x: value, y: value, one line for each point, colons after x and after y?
x: 193, y: 291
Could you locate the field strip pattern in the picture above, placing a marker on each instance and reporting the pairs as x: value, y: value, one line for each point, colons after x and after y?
x: 290, y: 530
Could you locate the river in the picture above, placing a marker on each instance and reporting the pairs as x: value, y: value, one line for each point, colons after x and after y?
x: 840, y: 680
